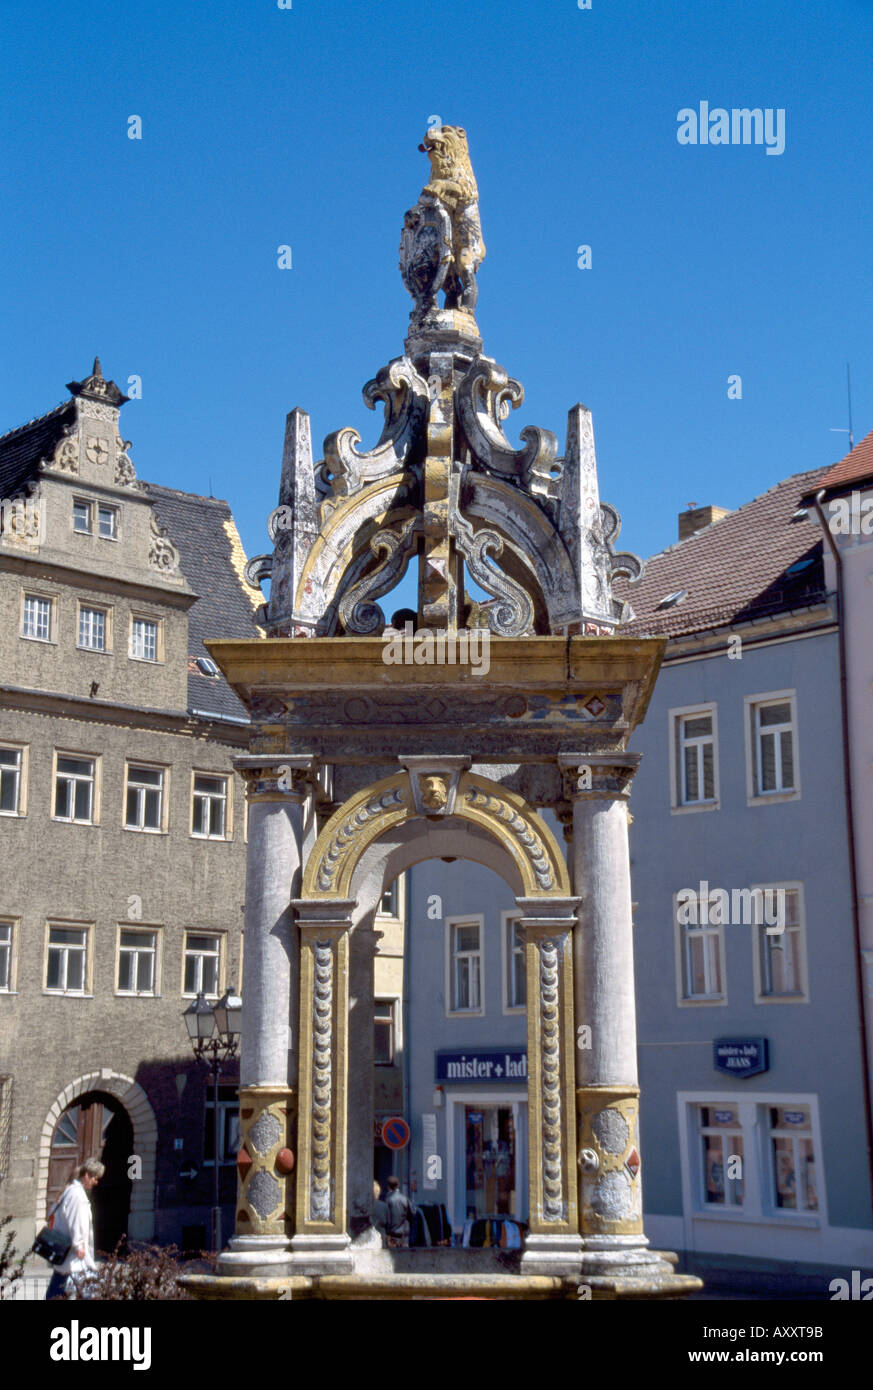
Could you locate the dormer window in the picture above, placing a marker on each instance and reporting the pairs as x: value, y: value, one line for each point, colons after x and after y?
x: 84, y: 511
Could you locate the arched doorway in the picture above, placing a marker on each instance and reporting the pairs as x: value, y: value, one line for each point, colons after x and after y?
x: 96, y: 1125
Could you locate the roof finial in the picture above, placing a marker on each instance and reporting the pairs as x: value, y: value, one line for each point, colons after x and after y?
x: 97, y: 370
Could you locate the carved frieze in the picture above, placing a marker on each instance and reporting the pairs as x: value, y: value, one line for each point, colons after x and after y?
x: 163, y: 555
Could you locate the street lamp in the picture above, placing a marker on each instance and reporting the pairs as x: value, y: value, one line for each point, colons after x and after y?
x: 214, y: 1030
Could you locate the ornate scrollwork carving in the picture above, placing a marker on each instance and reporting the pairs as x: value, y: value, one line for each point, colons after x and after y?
x: 624, y: 561
x: 257, y: 568
x: 163, y: 555
x: 65, y: 458
x: 513, y: 614
x: 352, y: 826
x: 483, y: 396
x: 322, y: 1078
x: 550, y: 1061
x: 357, y: 611
x: 527, y: 837
x: 405, y: 395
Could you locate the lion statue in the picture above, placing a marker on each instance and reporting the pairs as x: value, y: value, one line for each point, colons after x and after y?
x: 442, y: 246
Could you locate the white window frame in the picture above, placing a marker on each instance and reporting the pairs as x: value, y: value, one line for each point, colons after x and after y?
x: 396, y: 1016
x: 400, y: 915
x: 456, y: 1103
x: 681, y: 938
x: 88, y: 928
x: 227, y: 833
x: 164, y: 802
x: 757, y: 1208
x: 52, y: 601
x: 157, y: 622
x: 95, y: 780
x: 731, y: 1131
x: 508, y: 921
x: 752, y: 742
x: 141, y: 929
x: 218, y: 938
x: 759, y: 939
x: 116, y: 517
x: 675, y: 716
x: 88, y: 606
x: 83, y: 502
x: 769, y: 1133
x: 13, y: 925
x: 467, y: 919
x: 21, y: 801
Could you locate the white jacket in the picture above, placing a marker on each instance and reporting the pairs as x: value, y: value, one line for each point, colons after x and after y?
x: 74, y: 1217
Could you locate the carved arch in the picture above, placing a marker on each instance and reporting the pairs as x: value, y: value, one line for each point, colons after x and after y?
x: 516, y: 826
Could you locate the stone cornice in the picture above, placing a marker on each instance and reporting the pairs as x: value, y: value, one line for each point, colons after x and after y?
x: 53, y: 703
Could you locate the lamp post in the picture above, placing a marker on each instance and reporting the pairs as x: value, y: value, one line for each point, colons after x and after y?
x: 214, y: 1030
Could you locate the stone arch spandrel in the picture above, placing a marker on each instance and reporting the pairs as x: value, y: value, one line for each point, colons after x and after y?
x: 145, y: 1142
x: 370, y: 813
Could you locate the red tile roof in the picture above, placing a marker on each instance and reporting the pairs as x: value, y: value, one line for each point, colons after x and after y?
x: 854, y: 468
x: 734, y: 570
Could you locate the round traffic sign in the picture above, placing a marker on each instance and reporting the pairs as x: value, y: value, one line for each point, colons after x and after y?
x: 395, y: 1133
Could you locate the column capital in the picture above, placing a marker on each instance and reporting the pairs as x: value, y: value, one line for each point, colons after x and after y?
x: 330, y: 916
x: 276, y: 777
x: 598, y: 776
x: 547, y: 916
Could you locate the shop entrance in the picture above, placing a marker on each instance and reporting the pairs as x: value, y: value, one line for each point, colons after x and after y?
x: 491, y: 1161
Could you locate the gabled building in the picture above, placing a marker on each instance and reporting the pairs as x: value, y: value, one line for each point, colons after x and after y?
x: 753, y: 1071
x: 122, y: 822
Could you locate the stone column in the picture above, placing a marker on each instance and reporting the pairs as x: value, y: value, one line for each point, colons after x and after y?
x: 321, y: 1241
x: 278, y: 792
x: 607, y: 1090
x: 553, y: 1245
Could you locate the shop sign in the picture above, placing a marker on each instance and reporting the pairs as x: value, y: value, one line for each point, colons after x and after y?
x: 741, y: 1056
x: 509, y: 1064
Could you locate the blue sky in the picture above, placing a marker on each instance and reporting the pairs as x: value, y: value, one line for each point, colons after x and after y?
x: 264, y: 127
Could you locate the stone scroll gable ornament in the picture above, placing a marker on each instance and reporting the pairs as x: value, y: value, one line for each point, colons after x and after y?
x: 443, y: 487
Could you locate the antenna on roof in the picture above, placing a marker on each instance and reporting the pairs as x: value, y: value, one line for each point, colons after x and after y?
x: 210, y: 485
x: 835, y: 429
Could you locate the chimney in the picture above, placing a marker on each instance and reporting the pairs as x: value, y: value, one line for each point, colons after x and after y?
x: 697, y: 517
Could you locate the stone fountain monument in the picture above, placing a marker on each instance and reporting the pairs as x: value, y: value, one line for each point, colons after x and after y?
x: 360, y: 766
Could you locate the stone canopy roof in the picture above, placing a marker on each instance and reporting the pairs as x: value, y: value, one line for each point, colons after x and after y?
x: 753, y: 563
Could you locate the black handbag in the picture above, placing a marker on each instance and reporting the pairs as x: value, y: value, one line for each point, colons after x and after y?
x: 52, y: 1245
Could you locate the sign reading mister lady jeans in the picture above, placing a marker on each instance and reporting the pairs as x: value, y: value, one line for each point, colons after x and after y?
x: 740, y: 1056
x: 473, y: 1065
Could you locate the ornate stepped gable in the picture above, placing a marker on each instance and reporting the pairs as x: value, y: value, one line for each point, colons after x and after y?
x: 443, y: 484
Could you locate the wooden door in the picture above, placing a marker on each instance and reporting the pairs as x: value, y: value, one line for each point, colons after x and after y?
x: 95, y: 1126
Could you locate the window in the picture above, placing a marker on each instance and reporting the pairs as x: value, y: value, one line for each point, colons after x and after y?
x: 465, y: 989
x: 11, y: 781
x: 7, y: 944
x: 693, y: 760
x: 514, y: 973
x: 700, y: 952
x: 144, y: 639
x: 383, y: 1028
x: 752, y: 1157
x: 792, y: 1159
x: 107, y: 523
x: 780, y: 956
x: 82, y: 513
x: 209, y: 813
x: 137, y: 960
x: 93, y: 629
x: 772, y: 747
x: 145, y: 798
x: 389, y: 901
x: 228, y: 1126
x: 74, y: 789
x: 721, y: 1141
x: 67, y: 959
x: 37, y: 618
x: 202, y: 960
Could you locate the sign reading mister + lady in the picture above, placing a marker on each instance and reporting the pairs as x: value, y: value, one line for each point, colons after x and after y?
x: 473, y: 1065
